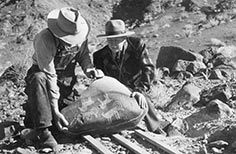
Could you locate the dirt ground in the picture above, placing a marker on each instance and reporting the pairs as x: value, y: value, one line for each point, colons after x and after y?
x: 158, y: 23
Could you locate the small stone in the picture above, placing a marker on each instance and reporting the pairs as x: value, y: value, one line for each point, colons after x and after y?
x: 76, y: 146
x: 22, y: 151
x: 86, y: 151
x: 46, y: 150
x: 155, y: 35
x: 121, y: 152
x: 178, y: 36
x: 106, y: 139
x: 166, y: 26
x: 215, y: 150
x: 233, y: 145
x: 218, y: 144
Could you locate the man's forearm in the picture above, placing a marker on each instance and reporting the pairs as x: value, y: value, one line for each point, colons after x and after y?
x: 54, y: 105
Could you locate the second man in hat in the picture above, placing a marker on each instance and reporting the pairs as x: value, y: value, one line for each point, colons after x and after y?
x: 127, y: 59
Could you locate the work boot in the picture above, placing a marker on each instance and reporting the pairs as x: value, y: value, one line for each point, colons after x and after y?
x: 46, y: 139
x: 28, y: 123
x: 160, y: 131
x: 163, y: 128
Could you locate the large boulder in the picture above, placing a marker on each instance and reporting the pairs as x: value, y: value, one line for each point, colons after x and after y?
x: 104, y: 107
x: 188, y: 95
x: 169, y: 55
x: 190, y: 66
x: 208, y: 119
x: 222, y: 92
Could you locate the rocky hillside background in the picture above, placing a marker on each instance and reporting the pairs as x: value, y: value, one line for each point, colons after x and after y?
x: 156, y: 21
x: 192, y: 43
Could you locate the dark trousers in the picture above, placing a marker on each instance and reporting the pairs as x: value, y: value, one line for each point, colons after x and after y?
x: 152, y: 120
x: 38, y: 107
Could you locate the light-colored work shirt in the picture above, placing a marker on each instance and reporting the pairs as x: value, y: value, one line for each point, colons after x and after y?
x: 45, y: 51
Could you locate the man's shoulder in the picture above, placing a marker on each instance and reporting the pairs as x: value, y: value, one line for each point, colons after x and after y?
x: 135, y: 42
x: 101, y: 52
x: 44, y: 40
x: 134, y: 39
x: 45, y: 35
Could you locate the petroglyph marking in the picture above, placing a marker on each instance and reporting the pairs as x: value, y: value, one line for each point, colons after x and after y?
x: 112, y: 113
x: 103, y: 103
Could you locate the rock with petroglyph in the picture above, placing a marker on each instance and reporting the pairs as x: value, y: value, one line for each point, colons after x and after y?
x: 104, y: 107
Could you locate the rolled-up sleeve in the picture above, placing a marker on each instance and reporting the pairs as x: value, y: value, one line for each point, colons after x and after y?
x: 147, y: 68
x: 45, y: 51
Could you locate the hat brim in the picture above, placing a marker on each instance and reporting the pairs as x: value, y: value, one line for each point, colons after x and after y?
x: 68, y: 38
x: 128, y: 33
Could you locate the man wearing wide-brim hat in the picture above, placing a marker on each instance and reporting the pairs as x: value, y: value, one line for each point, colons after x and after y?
x: 127, y: 59
x: 58, y: 50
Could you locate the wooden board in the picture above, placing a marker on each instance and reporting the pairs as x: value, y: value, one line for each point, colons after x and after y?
x: 97, y: 145
x: 158, y: 144
x: 131, y: 146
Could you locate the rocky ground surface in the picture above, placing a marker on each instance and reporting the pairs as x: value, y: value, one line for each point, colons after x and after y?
x: 191, y: 42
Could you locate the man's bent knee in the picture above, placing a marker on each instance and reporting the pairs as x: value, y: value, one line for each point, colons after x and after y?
x: 39, y: 77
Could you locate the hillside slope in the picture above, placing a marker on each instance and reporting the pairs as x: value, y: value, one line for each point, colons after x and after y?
x: 21, y: 20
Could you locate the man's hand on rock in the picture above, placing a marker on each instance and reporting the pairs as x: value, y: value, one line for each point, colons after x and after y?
x: 94, y: 73
x: 60, y: 121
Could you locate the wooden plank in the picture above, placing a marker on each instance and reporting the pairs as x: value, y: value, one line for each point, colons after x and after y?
x: 158, y: 144
x: 131, y: 146
x: 97, y: 145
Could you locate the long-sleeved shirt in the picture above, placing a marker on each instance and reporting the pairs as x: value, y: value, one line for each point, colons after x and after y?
x: 46, y: 57
x: 134, y: 68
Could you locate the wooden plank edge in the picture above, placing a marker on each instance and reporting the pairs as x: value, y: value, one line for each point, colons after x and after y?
x: 97, y: 145
x: 131, y: 146
x: 160, y: 145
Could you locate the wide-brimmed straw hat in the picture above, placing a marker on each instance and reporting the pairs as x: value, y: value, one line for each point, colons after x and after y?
x: 68, y: 25
x: 115, y: 28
